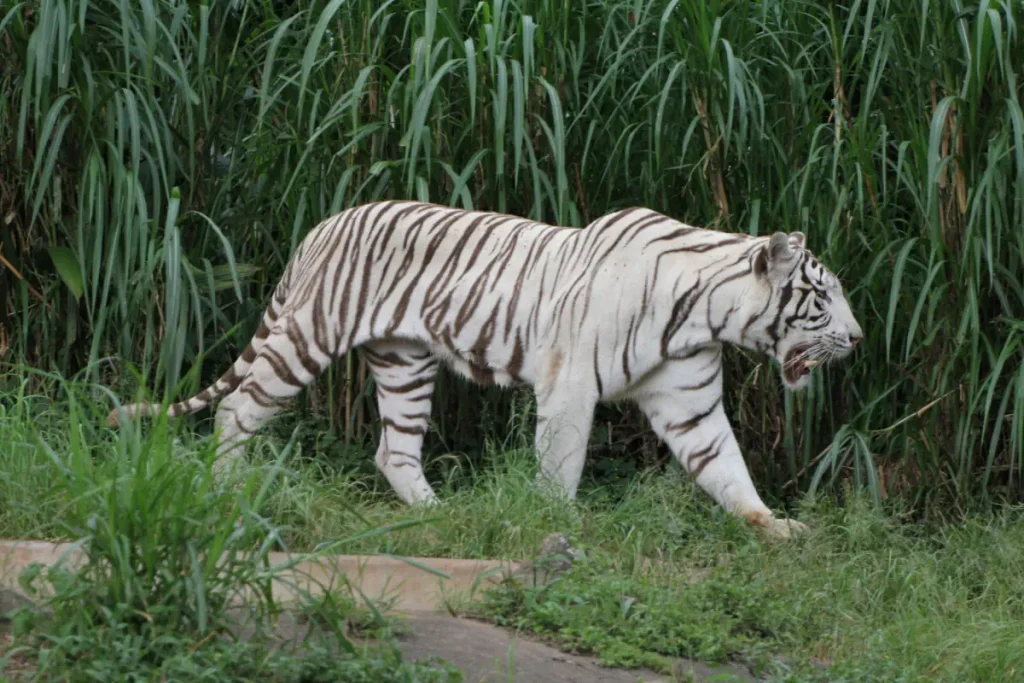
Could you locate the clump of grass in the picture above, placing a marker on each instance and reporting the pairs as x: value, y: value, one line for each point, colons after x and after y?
x: 174, y: 580
x: 635, y: 620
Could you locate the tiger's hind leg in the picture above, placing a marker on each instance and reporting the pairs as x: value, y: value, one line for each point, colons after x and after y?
x: 566, y: 398
x: 404, y: 373
x: 288, y: 361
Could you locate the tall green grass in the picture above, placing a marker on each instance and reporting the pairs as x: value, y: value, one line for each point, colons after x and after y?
x: 175, y: 574
x: 161, y: 160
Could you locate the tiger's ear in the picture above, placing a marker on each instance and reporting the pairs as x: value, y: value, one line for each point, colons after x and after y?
x: 797, y: 239
x: 778, y: 250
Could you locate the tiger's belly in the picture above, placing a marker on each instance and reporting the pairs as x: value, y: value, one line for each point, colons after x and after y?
x: 475, y: 371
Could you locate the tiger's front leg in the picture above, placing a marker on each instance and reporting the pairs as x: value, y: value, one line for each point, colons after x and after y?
x: 685, y: 409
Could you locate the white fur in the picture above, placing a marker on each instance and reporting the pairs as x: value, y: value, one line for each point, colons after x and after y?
x: 636, y: 306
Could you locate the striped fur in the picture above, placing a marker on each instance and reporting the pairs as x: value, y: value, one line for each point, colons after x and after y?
x: 634, y: 306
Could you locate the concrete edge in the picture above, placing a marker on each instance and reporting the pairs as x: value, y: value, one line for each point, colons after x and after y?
x: 399, y: 585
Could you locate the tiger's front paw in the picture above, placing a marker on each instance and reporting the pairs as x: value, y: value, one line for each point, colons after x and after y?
x: 784, y: 529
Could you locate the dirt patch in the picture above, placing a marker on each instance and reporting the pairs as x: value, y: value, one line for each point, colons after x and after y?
x: 487, y: 653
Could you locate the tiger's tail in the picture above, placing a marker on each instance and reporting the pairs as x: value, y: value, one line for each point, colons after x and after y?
x: 227, y: 383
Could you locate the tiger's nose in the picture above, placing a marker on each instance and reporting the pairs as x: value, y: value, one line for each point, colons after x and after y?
x: 855, y: 338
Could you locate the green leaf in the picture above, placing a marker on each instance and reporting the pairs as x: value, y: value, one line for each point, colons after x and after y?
x: 70, y: 272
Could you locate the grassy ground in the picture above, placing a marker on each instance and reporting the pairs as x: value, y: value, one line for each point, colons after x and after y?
x: 868, y: 595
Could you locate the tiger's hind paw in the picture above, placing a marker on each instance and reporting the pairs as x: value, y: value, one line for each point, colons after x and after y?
x: 784, y: 529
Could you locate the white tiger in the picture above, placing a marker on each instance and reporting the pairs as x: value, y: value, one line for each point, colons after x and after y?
x: 634, y: 306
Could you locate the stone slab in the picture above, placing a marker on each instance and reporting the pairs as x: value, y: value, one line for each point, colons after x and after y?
x: 402, y: 586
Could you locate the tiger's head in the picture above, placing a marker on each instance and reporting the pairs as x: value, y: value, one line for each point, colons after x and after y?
x: 798, y: 312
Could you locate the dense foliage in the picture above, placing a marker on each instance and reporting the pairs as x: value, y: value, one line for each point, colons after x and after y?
x: 159, y: 160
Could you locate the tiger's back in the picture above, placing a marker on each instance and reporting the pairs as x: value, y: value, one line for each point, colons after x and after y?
x: 466, y: 284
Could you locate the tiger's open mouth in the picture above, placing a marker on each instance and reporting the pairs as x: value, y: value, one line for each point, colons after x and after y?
x: 797, y: 363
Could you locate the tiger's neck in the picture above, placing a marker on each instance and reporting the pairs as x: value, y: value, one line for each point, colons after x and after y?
x: 705, y: 312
